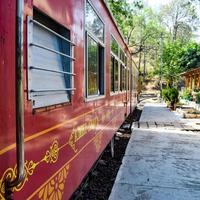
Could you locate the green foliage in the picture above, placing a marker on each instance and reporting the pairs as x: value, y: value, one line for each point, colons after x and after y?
x: 138, y: 24
x: 170, y: 68
x: 180, y: 17
x: 191, y: 56
x: 197, y: 90
x: 177, y: 58
x: 165, y: 95
x: 142, y: 28
x: 123, y: 13
x: 198, y: 97
x: 171, y: 95
x: 187, y: 95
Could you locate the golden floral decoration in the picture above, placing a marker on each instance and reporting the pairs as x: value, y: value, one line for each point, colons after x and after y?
x: 54, y: 189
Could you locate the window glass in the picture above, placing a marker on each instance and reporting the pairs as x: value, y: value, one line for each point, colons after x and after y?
x: 128, y: 81
x: 94, y: 23
x: 95, y: 52
x: 124, y: 79
x: 126, y: 60
x: 116, y: 74
x: 114, y: 46
x: 121, y: 77
x: 122, y: 56
x: 92, y: 67
x: 112, y: 74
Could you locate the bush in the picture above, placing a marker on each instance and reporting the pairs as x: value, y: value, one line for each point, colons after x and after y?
x: 187, y: 95
x: 171, y: 96
x: 198, y: 97
x: 196, y: 90
x: 165, y: 95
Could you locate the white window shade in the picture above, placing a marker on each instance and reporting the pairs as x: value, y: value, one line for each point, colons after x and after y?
x: 50, y: 65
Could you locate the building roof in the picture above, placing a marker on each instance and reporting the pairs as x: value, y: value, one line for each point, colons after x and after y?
x: 191, y: 72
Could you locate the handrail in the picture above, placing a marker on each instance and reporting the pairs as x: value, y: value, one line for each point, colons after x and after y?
x: 51, y: 50
x: 52, y: 90
x: 52, y: 70
x: 9, y: 184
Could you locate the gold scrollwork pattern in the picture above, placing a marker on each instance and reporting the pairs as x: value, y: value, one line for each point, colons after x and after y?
x: 10, y: 174
x: 51, y: 155
x: 54, y: 189
x: 1, y: 197
x: 81, y: 131
x: 29, y: 166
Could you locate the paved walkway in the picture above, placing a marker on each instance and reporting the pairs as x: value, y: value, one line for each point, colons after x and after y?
x: 157, y: 112
x: 159, y: 164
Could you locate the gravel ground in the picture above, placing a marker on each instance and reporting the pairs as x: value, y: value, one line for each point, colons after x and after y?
x: 98, y: 184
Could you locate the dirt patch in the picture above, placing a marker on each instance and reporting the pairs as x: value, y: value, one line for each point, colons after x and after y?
x: 98, y: 184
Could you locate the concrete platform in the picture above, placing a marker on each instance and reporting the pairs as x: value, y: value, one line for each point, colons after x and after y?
x: 155, y: 112
x: 159, y: 164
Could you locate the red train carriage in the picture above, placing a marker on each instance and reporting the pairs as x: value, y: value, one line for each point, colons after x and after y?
x: 66, y: 84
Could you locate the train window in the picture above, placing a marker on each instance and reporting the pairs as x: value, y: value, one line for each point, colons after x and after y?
x: 94, y: 53
x: 92, y: 67
x: 114, y: 46
x: 94, y: 23
x: 125, y: 79
x: 122, y: 77
x: 128, y: 79
x: 50, y: 62
x: 116, y: 75
x: 115, y: 67
x: 126, y: 61
x: 112, y: 79
x: 122, y: 56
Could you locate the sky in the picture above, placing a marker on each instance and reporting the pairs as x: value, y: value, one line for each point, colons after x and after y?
x: 155, y: 4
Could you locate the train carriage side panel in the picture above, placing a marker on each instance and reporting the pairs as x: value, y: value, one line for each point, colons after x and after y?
x: 62, y: 140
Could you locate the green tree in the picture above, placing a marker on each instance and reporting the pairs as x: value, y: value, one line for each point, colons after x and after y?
x: 191, y: 57
x: 180, y: 18
x: 141, y: 28
x: 122, y: 12
x: 178, y: 58
x: 170, y: 66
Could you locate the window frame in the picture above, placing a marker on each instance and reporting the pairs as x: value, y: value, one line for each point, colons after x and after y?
x: 120, y: 62
x: 124, y: 66
x: 103, y: 45
x: 116, y: 57
x: 115, y: 92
